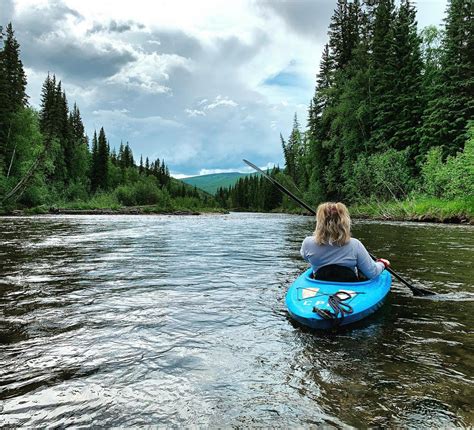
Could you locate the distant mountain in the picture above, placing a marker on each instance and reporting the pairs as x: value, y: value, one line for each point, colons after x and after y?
x: 211, y: 183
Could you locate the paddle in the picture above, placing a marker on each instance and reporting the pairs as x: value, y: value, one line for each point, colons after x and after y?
x: 415, y: 290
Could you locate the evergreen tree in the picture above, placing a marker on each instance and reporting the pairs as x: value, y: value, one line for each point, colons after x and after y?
x: 342, y: 34
x: 77, y: 126
x: 102, y: 161
x: 451, y: 103
x: 48, y: 94
x: 293, y: 152
x: 13, y: 69
x: 94, y: 171
x: 4, y: 107
x: 12, y: 92
x: 408, y: 100
x: 76, y: 151
x: 383, y: 75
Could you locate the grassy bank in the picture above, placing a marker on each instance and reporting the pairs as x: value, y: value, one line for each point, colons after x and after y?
x: 420, y: 209
x: 109, y: 204
x: 413, y: 209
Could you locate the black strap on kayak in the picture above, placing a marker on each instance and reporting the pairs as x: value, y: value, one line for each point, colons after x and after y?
x: 336, y: 301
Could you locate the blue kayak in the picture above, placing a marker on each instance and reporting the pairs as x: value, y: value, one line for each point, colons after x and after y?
x: 324, y: 305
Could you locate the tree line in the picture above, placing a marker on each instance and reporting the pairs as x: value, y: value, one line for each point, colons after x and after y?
x: 390, y: 116
x: 46, y: 157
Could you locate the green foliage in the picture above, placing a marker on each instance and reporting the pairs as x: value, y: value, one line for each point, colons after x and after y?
x: 451, y: 105
x: 453, y: 178
x: 101, y: 200
x: 421, y: 208
x: 143, y: 192
x: 382, y: 176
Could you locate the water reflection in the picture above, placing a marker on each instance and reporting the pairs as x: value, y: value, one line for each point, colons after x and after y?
x: 177, y: 321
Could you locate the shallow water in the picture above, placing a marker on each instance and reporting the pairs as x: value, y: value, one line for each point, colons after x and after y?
x: 180, y: 321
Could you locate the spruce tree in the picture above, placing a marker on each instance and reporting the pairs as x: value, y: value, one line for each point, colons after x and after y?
x: 15, y: 75
x: 147, y: 166
x: 4, y: 108
x: 102, y: 161
x: 94, y: 171
x: 48, y: 94
x: 451, y: 103
x: 383, y: 75
x: 292, y: 151
x: 408, y: 99
x: 77, y: 126
x: 12, y: 91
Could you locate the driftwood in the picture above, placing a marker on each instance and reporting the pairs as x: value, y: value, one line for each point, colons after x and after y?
x: 19, y: 187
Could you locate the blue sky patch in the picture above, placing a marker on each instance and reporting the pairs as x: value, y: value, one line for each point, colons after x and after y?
x: 284, y: 79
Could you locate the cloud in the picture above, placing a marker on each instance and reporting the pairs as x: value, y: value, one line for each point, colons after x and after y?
x: 195, y: 112
x: 50, y: 44
x: 149, y: 72
x: 79, y: 61
x: 220, y: 101
x: 214, y: 171
x: 307, y: 18
x: 7, y: 9
x: 40, y: 20
x: 115, y: 27
x: 170, y: 42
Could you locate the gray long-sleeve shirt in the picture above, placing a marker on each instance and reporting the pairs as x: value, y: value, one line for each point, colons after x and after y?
x: 353, y: 254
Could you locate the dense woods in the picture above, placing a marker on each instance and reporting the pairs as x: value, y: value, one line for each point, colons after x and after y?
x: 46, y: 159
x: 390, y: 116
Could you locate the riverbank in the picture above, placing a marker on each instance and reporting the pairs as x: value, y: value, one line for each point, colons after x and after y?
x: 125, y: 210
x: 459, y: 211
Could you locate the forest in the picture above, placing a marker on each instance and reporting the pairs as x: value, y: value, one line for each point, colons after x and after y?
x: 389, y: 128
x: 48, y: 163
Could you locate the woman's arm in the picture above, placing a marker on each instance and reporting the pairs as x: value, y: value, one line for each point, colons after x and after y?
x: 365, y: 264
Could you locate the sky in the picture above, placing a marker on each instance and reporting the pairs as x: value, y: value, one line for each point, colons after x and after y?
x: 200, y: 84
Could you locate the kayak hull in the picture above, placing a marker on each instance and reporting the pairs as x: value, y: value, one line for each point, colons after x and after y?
x: 306, y: 293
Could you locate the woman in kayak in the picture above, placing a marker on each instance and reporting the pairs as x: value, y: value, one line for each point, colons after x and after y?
x: 333, y: 253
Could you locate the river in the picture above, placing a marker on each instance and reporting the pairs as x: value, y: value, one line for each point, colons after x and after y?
x: 181, y: 321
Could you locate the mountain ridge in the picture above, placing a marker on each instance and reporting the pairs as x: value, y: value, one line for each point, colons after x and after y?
x: 212, y: 182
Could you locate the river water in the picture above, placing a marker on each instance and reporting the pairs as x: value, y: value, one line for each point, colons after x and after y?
x: 181, y: 321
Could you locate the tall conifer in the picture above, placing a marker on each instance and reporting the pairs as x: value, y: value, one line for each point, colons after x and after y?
x: 452, y: 95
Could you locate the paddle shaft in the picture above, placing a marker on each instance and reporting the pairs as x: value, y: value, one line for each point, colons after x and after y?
x: 415, y: 290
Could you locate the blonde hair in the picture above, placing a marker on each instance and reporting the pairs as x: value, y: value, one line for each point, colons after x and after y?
x: 333, y: 224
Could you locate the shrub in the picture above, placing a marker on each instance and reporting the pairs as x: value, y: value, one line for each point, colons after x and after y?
x: 146, y: 193
x: 453, y: 178
x: 126, y: 195
x: 382, y: 176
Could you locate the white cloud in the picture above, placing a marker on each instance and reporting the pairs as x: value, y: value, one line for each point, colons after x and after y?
x: 214, y: 171
x: 220, y: 101
x: 179, y: 175
x: 149, y: 72
x: 195, y: 112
